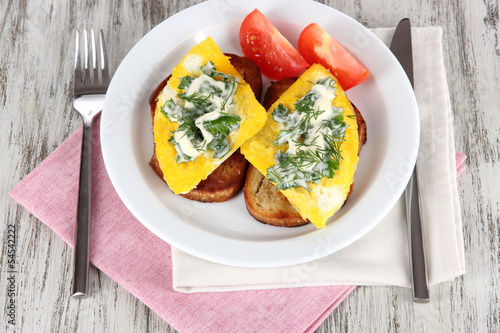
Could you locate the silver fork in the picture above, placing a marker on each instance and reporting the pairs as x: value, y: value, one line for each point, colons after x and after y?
x: 91, y: 82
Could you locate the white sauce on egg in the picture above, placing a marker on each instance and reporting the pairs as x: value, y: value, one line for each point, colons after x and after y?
x: 204, y: 110
x: 313, y: 133
x: 192, y: 64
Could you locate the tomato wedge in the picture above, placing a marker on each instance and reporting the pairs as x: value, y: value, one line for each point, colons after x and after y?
x: 317, y: 46
x: 271, y: 51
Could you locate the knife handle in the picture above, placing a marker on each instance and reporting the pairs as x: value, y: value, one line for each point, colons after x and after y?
x: 417, y: 254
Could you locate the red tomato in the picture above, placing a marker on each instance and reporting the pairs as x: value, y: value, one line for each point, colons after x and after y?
x: 271, y: 51
x: 316, y: 46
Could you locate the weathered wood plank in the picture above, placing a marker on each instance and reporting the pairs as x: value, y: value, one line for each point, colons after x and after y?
x: 35, y: 117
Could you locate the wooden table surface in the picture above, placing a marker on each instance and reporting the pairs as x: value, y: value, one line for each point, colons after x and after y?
x: 36, y: 55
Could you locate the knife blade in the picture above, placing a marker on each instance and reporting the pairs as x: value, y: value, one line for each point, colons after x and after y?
x: 401, y: 47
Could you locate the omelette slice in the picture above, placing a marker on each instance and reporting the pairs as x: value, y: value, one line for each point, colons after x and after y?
x: 205, y: 112
x: 308, y: 146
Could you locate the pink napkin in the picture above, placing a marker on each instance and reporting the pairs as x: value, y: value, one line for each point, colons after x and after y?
x: 459, y: 160
x: 130, y: 254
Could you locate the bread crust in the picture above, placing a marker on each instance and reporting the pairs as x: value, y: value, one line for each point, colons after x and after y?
x: 267, y: 204
x: 264, y: 201
x: 227, y: 180
x: 250, y: 72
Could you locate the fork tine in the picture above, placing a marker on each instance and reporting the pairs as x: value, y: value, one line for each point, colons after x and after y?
x: 78, y: 62
x: 104, y: 59
x: 86, y: 76
x: 93, y: 47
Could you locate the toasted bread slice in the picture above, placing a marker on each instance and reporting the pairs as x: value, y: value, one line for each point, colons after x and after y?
x: 263, y: 199
x: 227, y: 180
x: 267, y: 204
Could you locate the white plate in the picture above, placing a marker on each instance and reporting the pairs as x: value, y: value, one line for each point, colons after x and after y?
x: 225, y: 232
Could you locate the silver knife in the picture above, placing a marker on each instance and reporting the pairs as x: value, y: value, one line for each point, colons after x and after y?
x: 401, y: 48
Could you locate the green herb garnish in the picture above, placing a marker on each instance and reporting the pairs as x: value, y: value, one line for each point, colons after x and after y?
x: 314, y: 137
x: 209, y: 94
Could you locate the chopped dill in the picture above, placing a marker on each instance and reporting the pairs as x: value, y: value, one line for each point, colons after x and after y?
x: 314, y: 137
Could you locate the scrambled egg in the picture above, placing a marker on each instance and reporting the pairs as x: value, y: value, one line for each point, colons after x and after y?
x: 329, y: 194
x: 183, y: 177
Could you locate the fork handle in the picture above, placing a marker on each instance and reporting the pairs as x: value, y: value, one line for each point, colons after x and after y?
x: 81, y: 259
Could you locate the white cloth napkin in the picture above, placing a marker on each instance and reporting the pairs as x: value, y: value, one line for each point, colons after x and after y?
x: 381, y: 256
